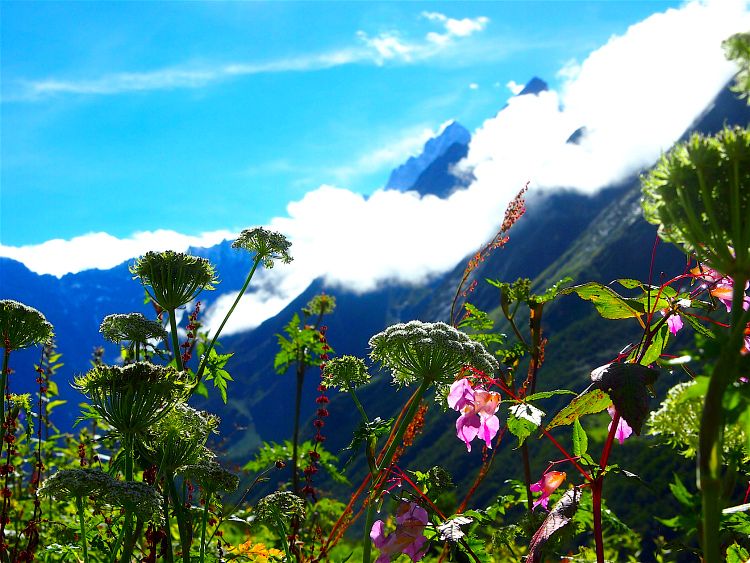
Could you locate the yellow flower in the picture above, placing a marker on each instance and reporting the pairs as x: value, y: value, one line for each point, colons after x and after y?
x: 258, y: 552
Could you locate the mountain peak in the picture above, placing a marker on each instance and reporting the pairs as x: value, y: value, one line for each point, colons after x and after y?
x: 534, y: 86
x: 404, y: 177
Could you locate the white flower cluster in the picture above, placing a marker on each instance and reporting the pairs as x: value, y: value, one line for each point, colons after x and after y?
x: 417, y: 351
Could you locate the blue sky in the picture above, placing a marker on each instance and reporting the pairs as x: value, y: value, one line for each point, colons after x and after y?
x: 121, y: 117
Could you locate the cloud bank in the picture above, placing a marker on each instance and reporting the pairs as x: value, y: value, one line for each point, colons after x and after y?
x: 633, y: 97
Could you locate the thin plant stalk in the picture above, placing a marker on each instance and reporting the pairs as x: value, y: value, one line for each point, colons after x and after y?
x: 204, y: 522
x: 129, y: 540
x: 204, y: 360
x: 4, y: 381
x: 385, y: 463
x: 175, y: 341
x: 169, y: 556
x: 182, y: 527
x: 711, y: 436
x: 82, y: 523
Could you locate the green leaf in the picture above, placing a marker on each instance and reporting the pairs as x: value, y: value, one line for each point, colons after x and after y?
x: 523, y: 420
x: 737, y: 554
x: 580, y: 439
x: 681, y: 494
x: 588, y: 403
x: 548, y: 394
x: 215, y: 371
x: 550, y: 293
x: 699, y: 327
x: 628, y: 385
x: 658, y: 343
x: 608, y: 303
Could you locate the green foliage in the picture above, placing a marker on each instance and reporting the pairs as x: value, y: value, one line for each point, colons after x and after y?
x: 590, y: 402
x: 737, y: 49
x: 215, y: 364
x: 300, y: 345
x: 270, y: 453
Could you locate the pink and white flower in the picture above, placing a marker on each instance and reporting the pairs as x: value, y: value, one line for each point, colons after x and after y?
x: 408, y: 538
x: 477, y: 408
x: 547, y: 485
x: 624, y: 430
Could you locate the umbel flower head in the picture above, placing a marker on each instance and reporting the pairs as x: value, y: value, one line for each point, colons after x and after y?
x: 211, y: 476
x: 69, y: 484
x: 345, y: 372
x: 131, y: 398
x: 131, y: 327
x: 175, y: 278
x: 22, y: 326
x: 320, y: 305
x: 178, y: 439
x: 699, y: 195
x: 266, y: 245
x: 435, y: 352
x: 137, y: 497
x: 281, y: 504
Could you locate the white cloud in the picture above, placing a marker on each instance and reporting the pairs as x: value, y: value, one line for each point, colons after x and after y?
x: 454, y: 27
x: 473, y: 86
x: 101, y: 250
x: 514, y: 87
x: 635, y: 96
x: 385, y: 47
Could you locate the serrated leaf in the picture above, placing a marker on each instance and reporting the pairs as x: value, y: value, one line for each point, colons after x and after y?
x: 699, y: 327
x: 580, y: 439
x: 548, y: 394
x: 588, y: 403
x: 681, y: 494
x: 521, y: 428
x: 628, y: 385
x: 608, y: 302
x: 560, y: 515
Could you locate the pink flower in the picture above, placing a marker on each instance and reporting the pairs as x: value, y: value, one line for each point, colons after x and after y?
x: 408, y: 537
x: 477, y: 408
x: 623, y: 428
x: 720, y: 286
x: 674, y: 321
x: 547, y: 485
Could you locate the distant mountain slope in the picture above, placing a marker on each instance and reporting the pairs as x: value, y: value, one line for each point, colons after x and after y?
x: 405, y: 176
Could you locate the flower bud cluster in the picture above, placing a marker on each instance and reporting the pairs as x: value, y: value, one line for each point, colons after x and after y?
x: 281, y: 504
x: 211, y: 476
x: 131, y: 327
x: 22, y: 326
x: 175, y: 278
x: 345, y: 372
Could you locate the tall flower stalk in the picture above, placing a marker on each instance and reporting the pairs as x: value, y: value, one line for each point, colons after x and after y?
x: 699, y: 195
x: 172, y: 280
x: 131, y: 399
x: 429, y: 354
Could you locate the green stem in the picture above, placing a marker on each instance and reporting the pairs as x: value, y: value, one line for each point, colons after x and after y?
x: 167, y: 523
x: 295, y: 434
x: 185, y: 540
x: 175, y: 340
x: 82, y: 522
x: 359, y: 406
x: 4, y: 383
x: 711, y: 436
x: 204, y: 359
x: 129, y: 540
x: 204, y: 522
x: 385, y: 464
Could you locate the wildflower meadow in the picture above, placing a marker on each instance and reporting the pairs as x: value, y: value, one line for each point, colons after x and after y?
x: 140, y: 476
